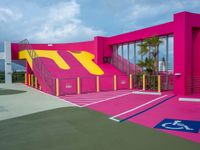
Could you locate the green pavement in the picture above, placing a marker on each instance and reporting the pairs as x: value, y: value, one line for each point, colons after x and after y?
x: 73, y: 128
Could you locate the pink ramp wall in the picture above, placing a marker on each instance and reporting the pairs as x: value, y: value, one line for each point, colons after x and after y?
x: 87, y: 46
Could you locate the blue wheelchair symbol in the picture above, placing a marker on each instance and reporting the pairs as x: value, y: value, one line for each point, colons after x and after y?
x: 179, y: 125
x: 176, y: 125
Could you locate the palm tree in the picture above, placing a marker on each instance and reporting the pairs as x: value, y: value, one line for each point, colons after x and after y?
x: 147, y: 65
x: 150, y: 46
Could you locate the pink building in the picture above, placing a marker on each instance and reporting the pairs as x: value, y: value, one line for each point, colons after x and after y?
x: 180, y: 49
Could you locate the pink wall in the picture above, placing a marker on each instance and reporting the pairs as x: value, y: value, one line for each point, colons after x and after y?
x: 196, y: 51
x: 196, y: 64
x: 163, y: 29
x: 88, y: 46
x: 183, y: 50
x: 99, y: 49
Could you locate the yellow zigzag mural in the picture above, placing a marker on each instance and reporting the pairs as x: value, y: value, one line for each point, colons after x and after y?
x: 85, y: 58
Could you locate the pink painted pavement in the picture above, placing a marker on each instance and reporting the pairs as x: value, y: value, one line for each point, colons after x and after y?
x: 171, y: 109
x: 91, y: 98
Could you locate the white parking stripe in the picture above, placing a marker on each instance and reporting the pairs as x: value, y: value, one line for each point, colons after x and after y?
x: 113, y: 117
x: 108, y: 99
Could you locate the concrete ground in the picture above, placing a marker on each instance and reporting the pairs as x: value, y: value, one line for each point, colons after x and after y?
x: 18, y: 100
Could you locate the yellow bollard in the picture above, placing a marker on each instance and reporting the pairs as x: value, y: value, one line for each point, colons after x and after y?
x: 143, y: 82
x: 97, y: 83
x: 115, y: 82
x: 78, y: 85
x: 25, y: 79
x: 36, y: 83
x: 32, y: 80
x: 29, y: 80
x: 57, y: 87
x: 159, y: 84
x: 131, y: 81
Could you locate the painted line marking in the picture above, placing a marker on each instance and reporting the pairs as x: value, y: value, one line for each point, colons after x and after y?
x: 108, y: 99
x: 96, y: 100
x: 113, y: 117
x: 86, y: 100
x: 62, y: 99
x: 190, y: 99
x: 146, y: 93
x: 97, y: 94
x: 147, y: 109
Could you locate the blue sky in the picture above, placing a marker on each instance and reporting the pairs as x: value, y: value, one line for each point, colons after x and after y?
x: 45, y: 21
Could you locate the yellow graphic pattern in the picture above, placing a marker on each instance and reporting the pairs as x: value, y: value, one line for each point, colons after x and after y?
x: 46, y: 54
x: 86, y: 59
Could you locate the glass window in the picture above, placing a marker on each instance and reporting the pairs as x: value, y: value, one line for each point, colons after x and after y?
x: 119, y: 58
x: 125, y: 58
x: 132, y: 57
x: 125, y: 51
x: 170, y: 54
x: 137, y: 56
x: 162, y: 56
x: 114, y: 55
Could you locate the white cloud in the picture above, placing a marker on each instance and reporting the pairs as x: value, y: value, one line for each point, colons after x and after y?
x: 65, y: 11
x: 40, y: 23
x: 146, y: 13
x: 7, y: 15
x: 79, y: 20
x: 62, y: 24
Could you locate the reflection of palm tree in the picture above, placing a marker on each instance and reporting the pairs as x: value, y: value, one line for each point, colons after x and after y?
x: 150, y: 46
x: 163, y: 64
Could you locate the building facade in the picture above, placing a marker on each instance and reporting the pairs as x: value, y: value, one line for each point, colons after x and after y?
x: 178, y: 56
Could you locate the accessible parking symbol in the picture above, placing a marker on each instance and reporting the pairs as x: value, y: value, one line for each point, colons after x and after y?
x: 179, y: 125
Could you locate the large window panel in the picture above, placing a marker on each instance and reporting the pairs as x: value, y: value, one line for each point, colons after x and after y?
x: 171, y: 54
x: 137, y: 56
x: 162, y: 55
x: 132, y: 57
x: 114, y: 55
x: 120, y: 57
x: 125, y: 58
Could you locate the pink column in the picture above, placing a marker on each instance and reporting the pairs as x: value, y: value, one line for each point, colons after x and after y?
x: 99, y: 48
x: 183, y: 53
x: 196, y: 60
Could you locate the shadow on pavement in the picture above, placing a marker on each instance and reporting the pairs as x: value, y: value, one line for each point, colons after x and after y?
x: 10, y: 91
